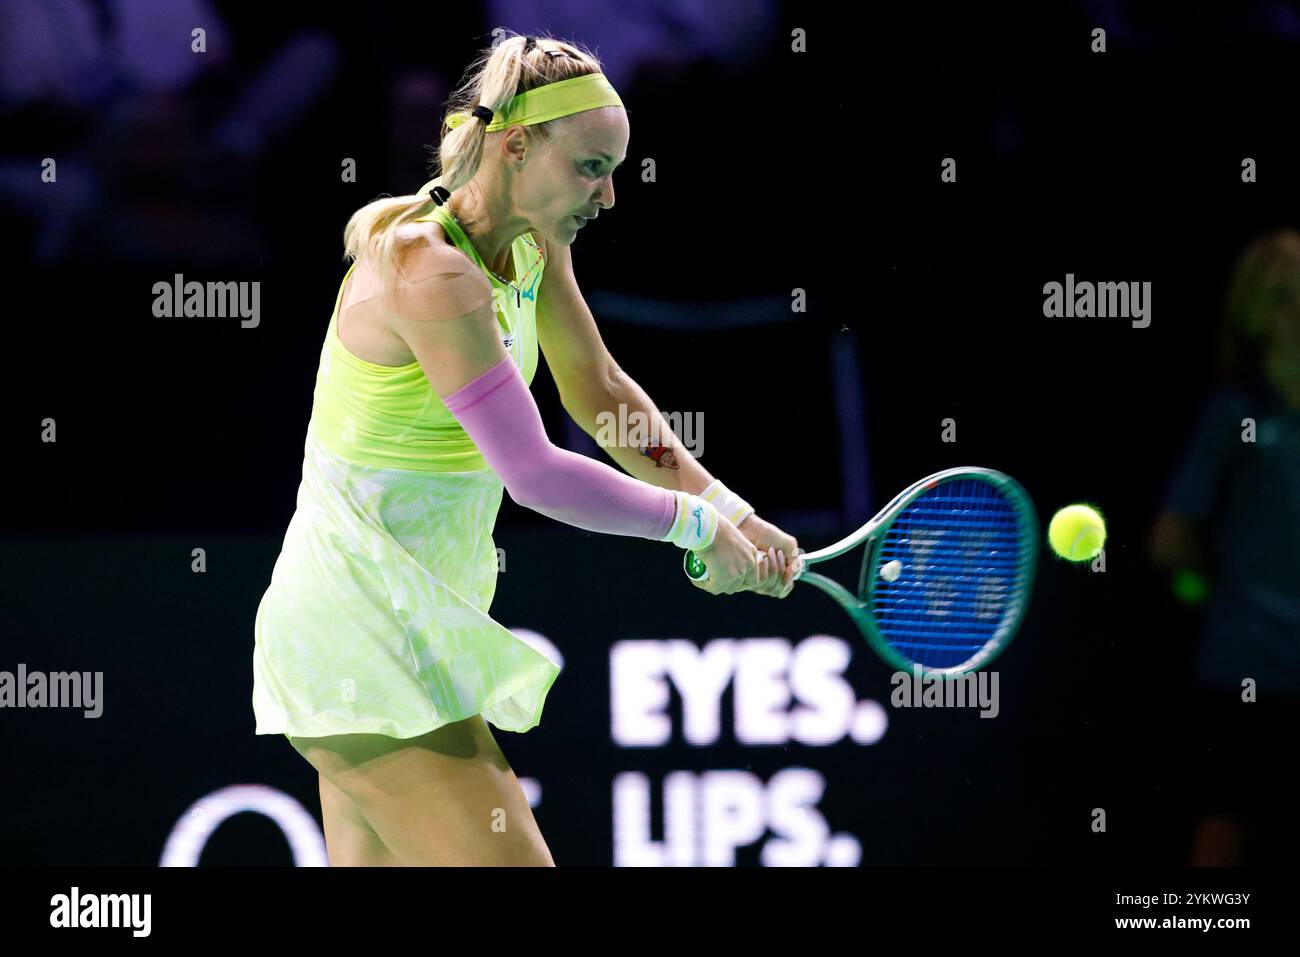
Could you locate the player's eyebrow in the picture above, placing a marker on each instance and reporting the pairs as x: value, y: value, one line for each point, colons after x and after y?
x: 606, y: 157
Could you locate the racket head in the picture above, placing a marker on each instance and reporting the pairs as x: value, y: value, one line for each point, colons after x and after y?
x: 966, y: 541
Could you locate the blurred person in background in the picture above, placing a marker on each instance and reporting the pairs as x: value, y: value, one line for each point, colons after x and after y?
x: 1229, y: 534
x: 153, y: 138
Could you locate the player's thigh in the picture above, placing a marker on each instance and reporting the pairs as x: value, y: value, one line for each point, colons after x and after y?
x: 350, y: 841
x: 448, y: 797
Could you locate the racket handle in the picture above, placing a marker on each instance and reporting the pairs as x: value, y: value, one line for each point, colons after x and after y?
x: 694, y: 567
x: 696, y: 570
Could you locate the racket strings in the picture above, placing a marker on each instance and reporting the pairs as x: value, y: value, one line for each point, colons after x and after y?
x: 963, y: 571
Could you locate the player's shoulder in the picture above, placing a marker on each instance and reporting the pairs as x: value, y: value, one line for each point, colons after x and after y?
x: 424, y: 253
x: 425, y: 244
x: 434, y: 278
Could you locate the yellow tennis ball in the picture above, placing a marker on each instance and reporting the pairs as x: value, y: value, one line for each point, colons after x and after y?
x: 1077, y: 533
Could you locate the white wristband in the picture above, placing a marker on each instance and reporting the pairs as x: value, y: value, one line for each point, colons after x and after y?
x: 696, y: 523
x: 729, y: 505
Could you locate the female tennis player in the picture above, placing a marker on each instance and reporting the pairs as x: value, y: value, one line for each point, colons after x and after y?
x: 374, y: 652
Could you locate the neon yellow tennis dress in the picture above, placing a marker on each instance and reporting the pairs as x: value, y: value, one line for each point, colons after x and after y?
x: 376, y: 619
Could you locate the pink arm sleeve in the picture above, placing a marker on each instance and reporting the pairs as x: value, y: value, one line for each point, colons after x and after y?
x: 500, y: 415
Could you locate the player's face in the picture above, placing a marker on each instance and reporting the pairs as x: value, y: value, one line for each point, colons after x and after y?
x: 574, y: 178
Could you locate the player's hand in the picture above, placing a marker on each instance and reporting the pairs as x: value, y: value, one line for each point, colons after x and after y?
x: 732, y: 561
x: 778, y: 551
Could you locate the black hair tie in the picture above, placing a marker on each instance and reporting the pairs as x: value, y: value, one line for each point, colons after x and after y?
x: 438, y: 195
x: 483, y: 113
x: 528, y: 46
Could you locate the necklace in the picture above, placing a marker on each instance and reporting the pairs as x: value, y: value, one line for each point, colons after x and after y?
x: 500, y: 278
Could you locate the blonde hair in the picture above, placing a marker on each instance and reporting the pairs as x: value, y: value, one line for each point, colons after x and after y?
x: 1266, y: 272
x: 496, y: 75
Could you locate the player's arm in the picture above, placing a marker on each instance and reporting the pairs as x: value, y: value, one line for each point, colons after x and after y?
x: 1177, y: 538
x: 593, y: 386
x: 442, y: 307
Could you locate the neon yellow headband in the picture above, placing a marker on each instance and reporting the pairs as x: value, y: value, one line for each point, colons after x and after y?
x: 562, y: 98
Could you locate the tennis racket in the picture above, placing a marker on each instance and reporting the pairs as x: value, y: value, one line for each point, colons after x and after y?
x: 947, y: 573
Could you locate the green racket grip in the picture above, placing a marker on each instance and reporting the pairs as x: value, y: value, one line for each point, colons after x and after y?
x: 695, y: 568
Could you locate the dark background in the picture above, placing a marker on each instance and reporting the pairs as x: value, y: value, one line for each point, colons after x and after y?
x: 776, y: 170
